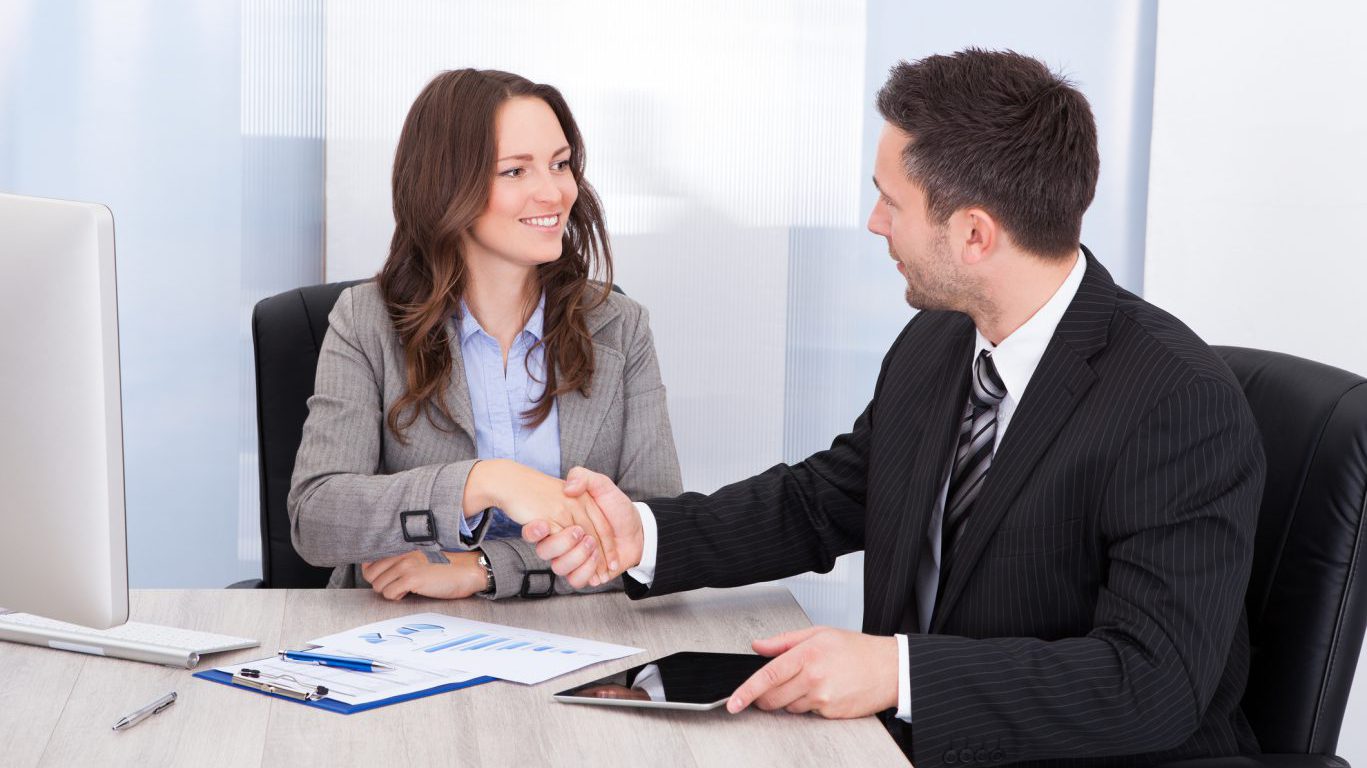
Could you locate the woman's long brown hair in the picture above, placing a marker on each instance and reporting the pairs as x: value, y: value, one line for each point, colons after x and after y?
x: 443, y: 168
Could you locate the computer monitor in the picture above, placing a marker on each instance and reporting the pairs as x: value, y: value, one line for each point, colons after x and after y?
x: 63, y: 552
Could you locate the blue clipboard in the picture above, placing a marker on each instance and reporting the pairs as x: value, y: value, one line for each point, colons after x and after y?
x: 337, y: 706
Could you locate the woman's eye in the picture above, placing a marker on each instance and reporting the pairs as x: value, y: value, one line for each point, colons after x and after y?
x: 512, y: 173
x: 561, y: 165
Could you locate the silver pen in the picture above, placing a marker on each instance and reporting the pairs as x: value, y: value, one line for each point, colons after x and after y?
x: 133, y: 718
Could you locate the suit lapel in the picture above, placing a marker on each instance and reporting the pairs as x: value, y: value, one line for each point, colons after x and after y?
x: 940, y: 412
x: 1061, y: 379
x: 458, y: 390
x: 581, y: 417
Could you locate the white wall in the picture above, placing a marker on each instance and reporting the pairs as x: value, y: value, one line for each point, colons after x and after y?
x: 1256, y: 196
x: 136, y: 107
x: 194, y: 123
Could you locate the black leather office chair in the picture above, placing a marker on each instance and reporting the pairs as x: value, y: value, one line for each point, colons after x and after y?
x: 287, y: 332
x: 1307, y: 595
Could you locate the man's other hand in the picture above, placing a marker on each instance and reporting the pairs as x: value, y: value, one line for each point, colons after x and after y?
x: 832, y: 672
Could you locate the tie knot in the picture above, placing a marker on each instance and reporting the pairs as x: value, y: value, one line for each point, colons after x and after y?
x: 988, y: 388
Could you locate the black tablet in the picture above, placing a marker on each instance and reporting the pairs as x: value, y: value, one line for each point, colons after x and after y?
x: 685, y: 680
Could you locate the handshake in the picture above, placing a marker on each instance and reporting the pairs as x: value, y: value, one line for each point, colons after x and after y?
x: 584, y: 525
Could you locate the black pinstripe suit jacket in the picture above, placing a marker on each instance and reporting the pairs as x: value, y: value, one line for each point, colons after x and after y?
x: 1094, y: 608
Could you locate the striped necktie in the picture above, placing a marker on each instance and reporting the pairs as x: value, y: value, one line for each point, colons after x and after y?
x: 977, y: 436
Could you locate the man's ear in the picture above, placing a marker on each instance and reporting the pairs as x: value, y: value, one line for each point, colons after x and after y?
x: 977, y: 234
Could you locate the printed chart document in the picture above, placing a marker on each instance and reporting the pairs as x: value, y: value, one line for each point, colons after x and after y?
x: 448, y: 645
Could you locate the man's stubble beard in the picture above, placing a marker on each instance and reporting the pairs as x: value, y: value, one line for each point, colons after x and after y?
x: 940, y: 287
x: 926, y: 290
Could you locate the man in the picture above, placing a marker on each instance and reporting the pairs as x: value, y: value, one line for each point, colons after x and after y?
x: 1055, y: 484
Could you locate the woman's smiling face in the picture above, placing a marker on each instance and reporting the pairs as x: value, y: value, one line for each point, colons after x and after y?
x: 532, y: 191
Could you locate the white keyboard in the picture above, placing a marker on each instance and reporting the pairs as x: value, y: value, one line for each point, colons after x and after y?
x: 140, y: 642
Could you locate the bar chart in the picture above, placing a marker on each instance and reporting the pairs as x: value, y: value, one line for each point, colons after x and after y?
x: 450, y: 643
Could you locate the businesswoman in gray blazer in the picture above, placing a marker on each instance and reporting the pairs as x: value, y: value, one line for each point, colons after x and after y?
x: 483, y: 362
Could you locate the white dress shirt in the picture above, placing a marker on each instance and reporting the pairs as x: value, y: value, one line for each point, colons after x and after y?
x: 1016, y: 358
x: 649, y: 680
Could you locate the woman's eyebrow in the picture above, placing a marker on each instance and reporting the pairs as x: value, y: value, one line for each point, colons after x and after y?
x: 529, y: 158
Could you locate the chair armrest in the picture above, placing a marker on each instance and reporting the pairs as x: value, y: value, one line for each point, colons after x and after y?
x: 1263, y: 761
x: 247, y: 584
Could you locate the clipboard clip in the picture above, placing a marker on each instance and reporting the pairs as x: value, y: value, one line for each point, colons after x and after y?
x: 251, y: 678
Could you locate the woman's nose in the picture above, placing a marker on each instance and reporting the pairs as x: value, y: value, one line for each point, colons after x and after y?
x: 547, y: 191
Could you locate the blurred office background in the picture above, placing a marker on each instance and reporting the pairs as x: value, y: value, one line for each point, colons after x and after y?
x: 244, y: 147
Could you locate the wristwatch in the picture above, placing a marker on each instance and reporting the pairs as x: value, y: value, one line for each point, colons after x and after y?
x: 488, y: 572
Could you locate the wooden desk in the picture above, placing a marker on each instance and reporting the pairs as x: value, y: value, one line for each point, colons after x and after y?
x: 57, y: 708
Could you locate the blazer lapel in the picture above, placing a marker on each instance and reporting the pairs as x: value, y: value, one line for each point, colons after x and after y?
x: 457, y: 389
x: 581, y: 417
x: 939, y: 413
x: 1061, y: 379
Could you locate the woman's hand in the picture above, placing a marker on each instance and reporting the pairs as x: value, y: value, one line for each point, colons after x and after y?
x: 566, y: 550
x: 525, y: 494
x: 397, y: 576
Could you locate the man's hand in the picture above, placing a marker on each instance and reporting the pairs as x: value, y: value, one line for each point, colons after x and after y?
x: 832, y: 672
x: 571, y: 553
x: 397, y: 576
x: 525, y: 495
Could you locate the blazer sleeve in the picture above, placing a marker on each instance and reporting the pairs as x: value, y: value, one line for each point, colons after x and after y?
x: 788, y: 520
x: 342, y: 509
x: 649, y: 464
x: 1176, y: 524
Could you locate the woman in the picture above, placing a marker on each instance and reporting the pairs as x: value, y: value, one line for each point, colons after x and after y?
x: 482, y: 363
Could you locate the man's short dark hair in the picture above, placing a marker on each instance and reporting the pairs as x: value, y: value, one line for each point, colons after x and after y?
x: 998, y: 130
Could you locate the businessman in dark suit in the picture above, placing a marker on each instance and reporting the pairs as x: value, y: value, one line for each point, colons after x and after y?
x: 1055, y: 483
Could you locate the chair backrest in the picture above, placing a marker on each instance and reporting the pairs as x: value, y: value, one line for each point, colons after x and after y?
x: 287, y: 332
x: 1307, y: 595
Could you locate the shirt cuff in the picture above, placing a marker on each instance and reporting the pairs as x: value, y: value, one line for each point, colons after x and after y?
x: 645, y: 572
x: 648, y: 680
x: 903, y: 680
x: 467, y: 533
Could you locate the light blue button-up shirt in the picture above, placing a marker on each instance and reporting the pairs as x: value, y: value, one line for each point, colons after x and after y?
x: 498, y: 399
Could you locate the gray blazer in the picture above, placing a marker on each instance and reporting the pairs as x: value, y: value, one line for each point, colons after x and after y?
x: 352, y: 480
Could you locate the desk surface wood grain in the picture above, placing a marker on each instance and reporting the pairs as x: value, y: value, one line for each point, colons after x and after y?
x: 57, y: 708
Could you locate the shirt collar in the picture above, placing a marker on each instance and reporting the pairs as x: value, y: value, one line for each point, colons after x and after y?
x: 535, y: 326
x: 1019, y: 354
x: 536, y: 323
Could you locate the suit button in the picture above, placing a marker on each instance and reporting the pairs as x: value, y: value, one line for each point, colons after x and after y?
x: 981, y: 756
x: 966, y: 756
x: 951, y: 757
x: 997, y: 756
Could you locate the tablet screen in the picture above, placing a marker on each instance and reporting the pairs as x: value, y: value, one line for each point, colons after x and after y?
x: 689, y: 679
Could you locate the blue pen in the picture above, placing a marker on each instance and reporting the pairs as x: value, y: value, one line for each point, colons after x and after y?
x: 341, y: 662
